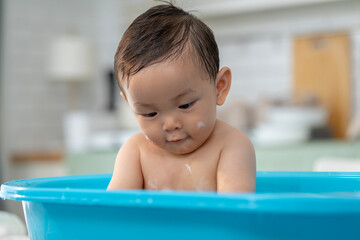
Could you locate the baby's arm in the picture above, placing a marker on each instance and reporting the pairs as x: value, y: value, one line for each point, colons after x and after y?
x: 237, y: 165
x: 127, y: 171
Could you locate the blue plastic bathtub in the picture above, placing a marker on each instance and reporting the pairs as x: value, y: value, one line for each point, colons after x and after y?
x: 287, y: 205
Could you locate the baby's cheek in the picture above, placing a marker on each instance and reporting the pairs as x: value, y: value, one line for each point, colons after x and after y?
x: 201, y: 128
x: 200, y: 125
x: 153, y: 135
x: 147, y: 132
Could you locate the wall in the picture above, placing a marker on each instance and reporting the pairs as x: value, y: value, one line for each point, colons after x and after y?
x: 34, y: 105
x: 258, y: 44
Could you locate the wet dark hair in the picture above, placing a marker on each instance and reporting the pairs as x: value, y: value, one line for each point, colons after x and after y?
x: 163, y: 33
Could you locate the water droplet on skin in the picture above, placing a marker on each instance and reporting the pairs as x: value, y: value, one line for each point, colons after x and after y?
x: 153, y: 184
x: 147, y: 138
x: 200, y: 125
x: 188, y: 167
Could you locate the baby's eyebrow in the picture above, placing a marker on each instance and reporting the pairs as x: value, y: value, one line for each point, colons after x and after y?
x: 187, y: 91
x: 148, y: 105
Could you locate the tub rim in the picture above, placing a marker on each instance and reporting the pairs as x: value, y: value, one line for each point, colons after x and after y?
x: 290, y: 202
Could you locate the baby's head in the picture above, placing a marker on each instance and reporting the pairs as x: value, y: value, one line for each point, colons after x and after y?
x: 164, y: 33
x: 167, y: 66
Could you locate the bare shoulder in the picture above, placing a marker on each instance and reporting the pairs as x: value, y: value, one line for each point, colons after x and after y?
x: 127, y: 172
x: 130, y: 150
x: 136, y: 140
x: 237, y: 163
x: 232, y: 137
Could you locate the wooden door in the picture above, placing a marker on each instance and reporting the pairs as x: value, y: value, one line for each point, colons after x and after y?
x: 322, y: 69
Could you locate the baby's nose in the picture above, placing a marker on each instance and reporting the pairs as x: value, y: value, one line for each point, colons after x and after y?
x: 171, y: 123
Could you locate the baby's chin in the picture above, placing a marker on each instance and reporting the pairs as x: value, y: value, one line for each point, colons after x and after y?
x: 182, y: 149
x: 186, y: 146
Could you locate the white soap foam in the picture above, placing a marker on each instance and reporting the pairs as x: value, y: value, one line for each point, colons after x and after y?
x: 200, y: 125
x: 188, y: 167
x: 153, y: 184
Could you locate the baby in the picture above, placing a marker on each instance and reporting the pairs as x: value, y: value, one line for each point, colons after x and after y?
x: 167, y: 67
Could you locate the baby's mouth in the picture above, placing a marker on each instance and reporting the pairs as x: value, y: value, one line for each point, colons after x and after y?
x: 176, y: 140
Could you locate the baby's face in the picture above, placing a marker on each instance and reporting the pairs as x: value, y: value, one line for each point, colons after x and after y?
x: 175, y: 105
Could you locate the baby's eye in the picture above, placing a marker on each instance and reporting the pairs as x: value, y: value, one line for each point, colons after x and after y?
x: 186, y: 106
x: 150, y: 115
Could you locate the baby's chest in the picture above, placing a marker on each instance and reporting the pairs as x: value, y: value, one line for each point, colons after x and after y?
x: 180, y: 174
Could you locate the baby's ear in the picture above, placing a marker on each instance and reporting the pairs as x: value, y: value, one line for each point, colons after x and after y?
x: 223, y: 83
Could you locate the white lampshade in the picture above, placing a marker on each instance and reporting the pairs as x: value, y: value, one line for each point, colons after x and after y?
x: 71, y: 59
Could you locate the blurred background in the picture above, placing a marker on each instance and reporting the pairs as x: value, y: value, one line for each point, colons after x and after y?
x: 295, y: 89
